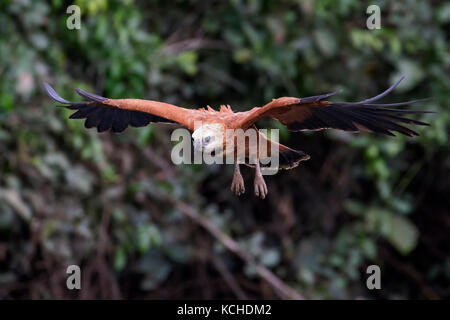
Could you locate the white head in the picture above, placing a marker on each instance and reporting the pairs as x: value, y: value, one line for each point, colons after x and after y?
x: 208, y: 137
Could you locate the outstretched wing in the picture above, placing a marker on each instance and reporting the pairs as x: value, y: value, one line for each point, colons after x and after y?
x: 313, y: 113
x: 118, y: 114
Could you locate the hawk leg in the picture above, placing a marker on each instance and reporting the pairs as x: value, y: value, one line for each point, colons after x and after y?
x: 237, y: 186
x: 259, y: 183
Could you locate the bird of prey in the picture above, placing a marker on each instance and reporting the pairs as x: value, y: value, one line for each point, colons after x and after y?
x: 297, y: 114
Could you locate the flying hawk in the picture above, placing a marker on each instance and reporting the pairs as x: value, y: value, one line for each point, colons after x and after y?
x: 297, y: 114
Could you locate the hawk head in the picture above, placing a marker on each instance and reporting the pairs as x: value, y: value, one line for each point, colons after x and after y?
x: 208, y: 138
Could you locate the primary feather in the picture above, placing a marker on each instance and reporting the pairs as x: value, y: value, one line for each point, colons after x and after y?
x: 314, y: 113
x: 103, y: 116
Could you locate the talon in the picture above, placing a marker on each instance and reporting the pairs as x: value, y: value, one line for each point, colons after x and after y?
x: 260, y: 187
x: 237, y: 185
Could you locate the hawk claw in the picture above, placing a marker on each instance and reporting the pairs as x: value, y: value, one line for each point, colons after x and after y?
x: 237, y: 186
x: 260, y: 187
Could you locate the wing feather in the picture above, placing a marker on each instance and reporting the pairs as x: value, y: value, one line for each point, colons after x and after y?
x: 313, y: 113
x: 116, y: 115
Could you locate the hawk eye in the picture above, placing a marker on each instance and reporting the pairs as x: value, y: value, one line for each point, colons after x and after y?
x: 207, y: 139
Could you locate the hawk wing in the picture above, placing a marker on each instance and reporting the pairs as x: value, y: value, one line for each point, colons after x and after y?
x: 118, y: 114
x: 314, y: 113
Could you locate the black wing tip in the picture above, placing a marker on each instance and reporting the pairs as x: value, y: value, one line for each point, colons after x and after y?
x: 401, y: 79
x: 395, y: 85
x: 85, y: 110
x: 317, y: 98
x: 327, y: 95
x: 371, y: 117
x: 384, y: 93
x: 54, y: 95
x: 90, y: 96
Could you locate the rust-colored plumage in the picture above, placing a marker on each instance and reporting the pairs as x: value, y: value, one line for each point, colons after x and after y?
x: 297, y: 114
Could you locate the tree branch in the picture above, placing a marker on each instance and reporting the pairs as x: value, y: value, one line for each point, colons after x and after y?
x: 283, y: 290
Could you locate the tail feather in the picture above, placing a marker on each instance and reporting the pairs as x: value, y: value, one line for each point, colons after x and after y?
x: 290, y: 158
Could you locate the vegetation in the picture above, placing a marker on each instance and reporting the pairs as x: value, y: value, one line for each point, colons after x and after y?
x: 113, y: 204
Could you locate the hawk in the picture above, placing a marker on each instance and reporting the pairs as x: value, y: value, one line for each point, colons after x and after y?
x: 297, y: 114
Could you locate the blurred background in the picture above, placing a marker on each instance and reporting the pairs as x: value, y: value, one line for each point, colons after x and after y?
x: 72, y: 196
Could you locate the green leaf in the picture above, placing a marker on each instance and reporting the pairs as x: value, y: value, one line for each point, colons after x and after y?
x: 270, y: 258
x: 402, y: 234
x: 6, y: 101
x: 413, y: 73
x: 148, y: 236
x: 187, y: 61
x: 326, y: 41
x: 120, y: 259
